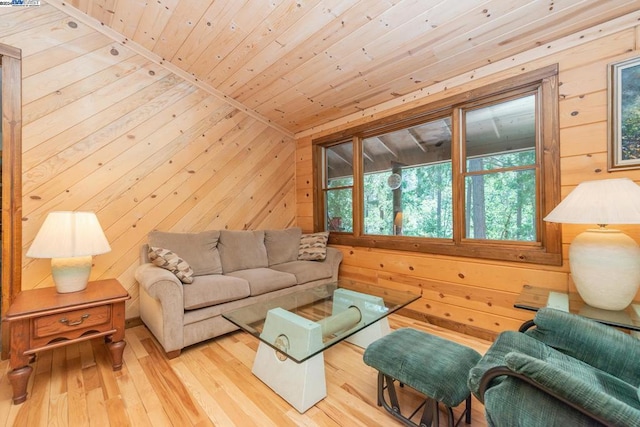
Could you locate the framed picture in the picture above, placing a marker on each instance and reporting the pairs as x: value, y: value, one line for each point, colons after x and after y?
x: 624, y: 114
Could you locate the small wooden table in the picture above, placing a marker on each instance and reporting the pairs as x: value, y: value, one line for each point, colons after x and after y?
x: 43, y: 319
x: 534, y: 298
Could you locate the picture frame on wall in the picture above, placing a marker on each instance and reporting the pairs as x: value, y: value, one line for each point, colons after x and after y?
x: 624, y: 114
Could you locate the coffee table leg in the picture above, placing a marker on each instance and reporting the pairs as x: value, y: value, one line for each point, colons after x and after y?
x: 19, y: 378
x: 301, y: 384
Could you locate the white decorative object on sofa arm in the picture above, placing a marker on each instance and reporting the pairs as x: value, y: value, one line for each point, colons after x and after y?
x: 231, y: 269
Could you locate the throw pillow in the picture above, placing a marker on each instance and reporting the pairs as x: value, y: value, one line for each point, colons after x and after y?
x: 313, y: 247
x: 170, y: 261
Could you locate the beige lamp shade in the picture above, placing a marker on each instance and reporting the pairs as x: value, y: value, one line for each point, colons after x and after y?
x: 608, y: 201
x: 69, y: 239
x: 604, y: 263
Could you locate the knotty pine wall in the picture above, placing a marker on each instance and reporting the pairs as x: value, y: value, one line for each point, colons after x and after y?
x: 477, y: 295
x: 109, y: 131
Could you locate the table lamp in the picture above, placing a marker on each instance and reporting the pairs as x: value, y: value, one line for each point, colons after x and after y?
x: 69, y: 239
x: 604, y: 263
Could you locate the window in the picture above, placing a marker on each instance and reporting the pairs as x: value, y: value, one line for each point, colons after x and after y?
x: 472, y: 175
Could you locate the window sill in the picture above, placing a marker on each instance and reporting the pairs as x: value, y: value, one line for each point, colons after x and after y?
x: 507, y: 252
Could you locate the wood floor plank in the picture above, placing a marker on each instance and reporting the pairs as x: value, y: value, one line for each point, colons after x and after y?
x: 58, y: 410
x: 151, y: 402
x: 176, y: 400
x: 202, y: 394
x: 104, y: 369
x: 39, y: 398
x: 5, y: 393
x: 96, y: 404
x: 208, y: 384
x: 254, y: 389
x: 116, y: 412
x: 134, y: 406
x: 236, y: 404
x: 77, y: 411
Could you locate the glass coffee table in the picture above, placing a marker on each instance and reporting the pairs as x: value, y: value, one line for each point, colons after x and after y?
x: 294, y: 330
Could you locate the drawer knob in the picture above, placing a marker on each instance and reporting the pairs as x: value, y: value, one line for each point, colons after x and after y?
x: 75, y: 323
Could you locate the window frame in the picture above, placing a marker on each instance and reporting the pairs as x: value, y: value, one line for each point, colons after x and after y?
x: 11, y: 122
x: 546, y: 250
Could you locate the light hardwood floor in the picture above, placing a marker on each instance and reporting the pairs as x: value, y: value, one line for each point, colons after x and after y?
x: 209, y: 384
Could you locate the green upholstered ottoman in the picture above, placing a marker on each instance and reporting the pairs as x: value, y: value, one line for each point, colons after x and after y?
x: 434, y: 366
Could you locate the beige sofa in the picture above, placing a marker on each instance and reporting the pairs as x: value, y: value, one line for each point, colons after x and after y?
x: 227, y: 270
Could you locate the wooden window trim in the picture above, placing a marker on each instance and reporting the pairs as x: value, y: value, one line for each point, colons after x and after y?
x: 11, y: 59
x: 547, y: 251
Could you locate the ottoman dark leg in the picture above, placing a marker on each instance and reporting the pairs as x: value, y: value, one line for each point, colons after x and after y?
x: 430, y: 415
x: 393, y: 406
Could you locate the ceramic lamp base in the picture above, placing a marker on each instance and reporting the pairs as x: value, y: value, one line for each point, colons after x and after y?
x: 71, y: 274
x: 605, y: 266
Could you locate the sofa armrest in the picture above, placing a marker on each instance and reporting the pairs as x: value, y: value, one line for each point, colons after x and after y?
x: 589, y: 341
x: 162, y: 305
x: 334, y: 257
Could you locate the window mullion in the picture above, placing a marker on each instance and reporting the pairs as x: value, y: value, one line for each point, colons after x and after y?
x: 457, y: 174
x: 358, y: 188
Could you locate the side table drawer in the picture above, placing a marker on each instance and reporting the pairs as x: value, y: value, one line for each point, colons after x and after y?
x: 62, y: 323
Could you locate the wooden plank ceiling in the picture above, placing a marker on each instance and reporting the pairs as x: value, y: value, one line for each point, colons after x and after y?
x: 304, y: 63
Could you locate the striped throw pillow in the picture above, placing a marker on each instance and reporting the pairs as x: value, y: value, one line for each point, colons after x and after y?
x: 313, y: 247
x: 170, y: 261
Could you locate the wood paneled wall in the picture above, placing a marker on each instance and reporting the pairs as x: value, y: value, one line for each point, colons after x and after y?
x: 476, y: 295
x: 105, y: 129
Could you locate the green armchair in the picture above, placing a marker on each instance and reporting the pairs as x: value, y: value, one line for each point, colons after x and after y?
x: 565, y: 371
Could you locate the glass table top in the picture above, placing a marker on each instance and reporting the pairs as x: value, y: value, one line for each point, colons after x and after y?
x: 305, y: 323
x: 534, y: 298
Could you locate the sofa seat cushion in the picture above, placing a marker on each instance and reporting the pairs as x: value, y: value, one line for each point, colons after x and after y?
x: 306, y: 271
x: 214, y: 289
x: 263, y: 280
x: 241, y: 250
x: 199, y: 250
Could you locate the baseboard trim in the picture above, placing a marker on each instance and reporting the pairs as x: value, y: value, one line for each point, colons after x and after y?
x: 133, y: 322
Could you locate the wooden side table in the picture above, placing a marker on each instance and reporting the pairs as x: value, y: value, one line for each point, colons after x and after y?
x: 534, y: 298
x: 43, y: 319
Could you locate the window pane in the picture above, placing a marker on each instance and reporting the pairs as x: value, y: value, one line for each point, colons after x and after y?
x: 629, y: 113
x: 339, y: 210
x: 339, y: 165
x: 407, y: 181
x: 501, y: 206
x: 499, y: 132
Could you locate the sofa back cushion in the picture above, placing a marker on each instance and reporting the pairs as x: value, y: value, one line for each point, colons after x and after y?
x: 240, y: 250
x: 199, y: 250
x: 282, y: 245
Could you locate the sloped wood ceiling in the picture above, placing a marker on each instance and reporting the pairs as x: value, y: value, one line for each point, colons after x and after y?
x: 107, y: 130
x: 303, y: 63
